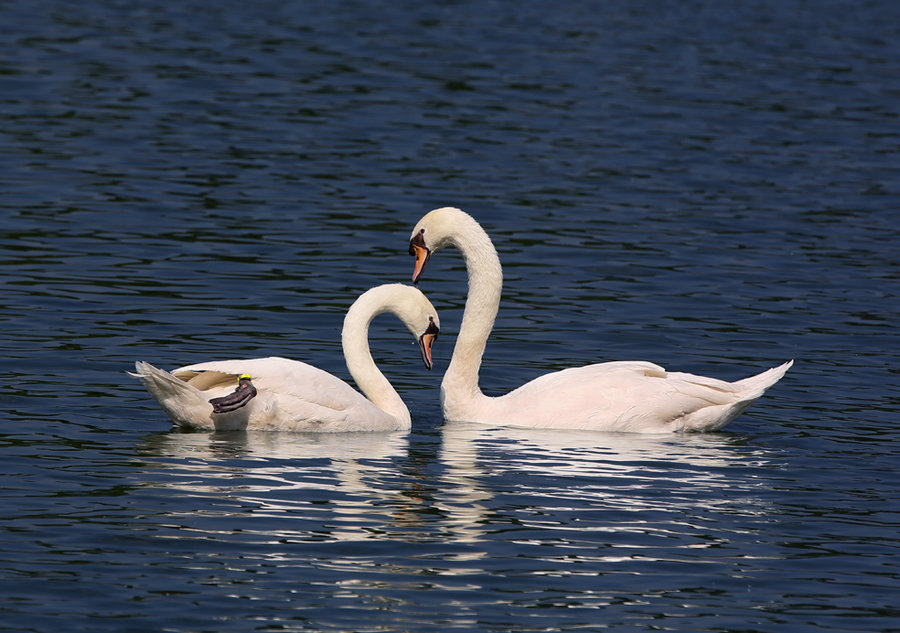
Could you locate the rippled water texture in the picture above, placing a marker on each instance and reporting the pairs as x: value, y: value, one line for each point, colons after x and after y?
x: 712, y: 187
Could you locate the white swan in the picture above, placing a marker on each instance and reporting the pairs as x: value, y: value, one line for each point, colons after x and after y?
x: 277, y: 394
x: 633, y: 396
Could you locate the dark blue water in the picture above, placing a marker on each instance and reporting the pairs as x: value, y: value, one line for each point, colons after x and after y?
x: 710, y: 186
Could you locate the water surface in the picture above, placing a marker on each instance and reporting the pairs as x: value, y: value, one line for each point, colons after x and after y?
x: 713, y: 188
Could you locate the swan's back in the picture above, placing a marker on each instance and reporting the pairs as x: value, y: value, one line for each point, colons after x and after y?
x: 291, y: 396
x: 629, y: 396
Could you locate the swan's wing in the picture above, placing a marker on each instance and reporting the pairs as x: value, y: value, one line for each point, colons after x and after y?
x: 599, y: 396
x: 289, y: 378
x: 726, y: 400
x: 675, y: 401
x: 635, y: 396
x: 291, y: 395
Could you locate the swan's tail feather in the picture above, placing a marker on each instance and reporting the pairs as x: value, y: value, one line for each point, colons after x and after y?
x: 755, y: 386
x: 184, y: 403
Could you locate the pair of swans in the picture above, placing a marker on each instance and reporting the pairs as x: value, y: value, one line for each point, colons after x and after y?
x: 281, y: 394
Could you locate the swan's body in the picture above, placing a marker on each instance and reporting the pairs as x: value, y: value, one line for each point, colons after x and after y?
x: 294, y: 396
x: 618, y: 396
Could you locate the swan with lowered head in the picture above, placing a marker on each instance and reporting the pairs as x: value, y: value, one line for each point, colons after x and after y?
x: 277, y: 394
x: 635, y: 396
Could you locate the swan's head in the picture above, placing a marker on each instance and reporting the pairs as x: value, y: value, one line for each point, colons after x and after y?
x: 433, y: 232
x: 420, y: 317
x: 408, y: 303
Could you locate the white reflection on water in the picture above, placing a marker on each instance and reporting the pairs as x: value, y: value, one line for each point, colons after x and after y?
x: 592, y: 495
x: 567, y: 483
x: 278, y: 446
x: 294, y: 486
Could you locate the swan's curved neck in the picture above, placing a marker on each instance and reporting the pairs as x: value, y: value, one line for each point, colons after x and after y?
x: 361, y: 365
x: 460, y: 382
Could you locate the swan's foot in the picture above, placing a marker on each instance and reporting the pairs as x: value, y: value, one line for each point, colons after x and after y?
x: 243, y: 394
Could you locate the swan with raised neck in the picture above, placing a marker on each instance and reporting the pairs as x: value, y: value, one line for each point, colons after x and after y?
x: 636, y: 396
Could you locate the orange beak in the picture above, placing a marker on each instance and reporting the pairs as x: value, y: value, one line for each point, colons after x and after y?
x: 422, y: 254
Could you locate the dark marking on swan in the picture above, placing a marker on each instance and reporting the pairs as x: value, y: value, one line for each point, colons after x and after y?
x: 417, y: 241
x: 243, y: 393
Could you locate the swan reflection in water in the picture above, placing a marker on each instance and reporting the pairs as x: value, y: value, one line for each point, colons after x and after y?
x: 478, y: 483
x: 574, y: 481
x: 285, y: 486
